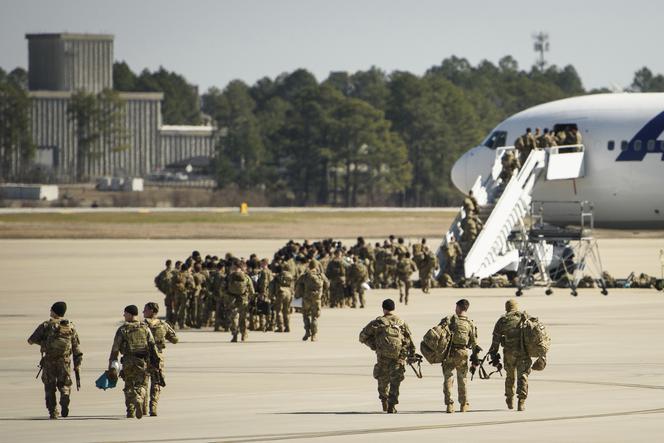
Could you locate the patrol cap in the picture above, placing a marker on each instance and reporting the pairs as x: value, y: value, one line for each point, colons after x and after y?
x: 131, y: 309
x: 463, y: 304
x: 59, y: 308
x: 511, y: 305
x: 154, y: 307
x: 388, y: 304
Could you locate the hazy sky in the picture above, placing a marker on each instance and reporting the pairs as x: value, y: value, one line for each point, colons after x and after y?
x: 213, y: 42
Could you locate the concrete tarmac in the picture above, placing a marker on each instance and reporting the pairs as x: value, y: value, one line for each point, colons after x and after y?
x: 604, y: 380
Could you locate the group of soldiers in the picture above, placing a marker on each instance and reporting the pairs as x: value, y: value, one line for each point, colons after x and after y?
x: 391, y: 339
x: 141, y: 345
x: 528, y: 141
x: 241, y: 295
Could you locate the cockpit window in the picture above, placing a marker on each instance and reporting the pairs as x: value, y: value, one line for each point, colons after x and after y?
x: 496, y: 140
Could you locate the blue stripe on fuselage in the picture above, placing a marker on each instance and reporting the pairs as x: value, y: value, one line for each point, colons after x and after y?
x: 650, y: 131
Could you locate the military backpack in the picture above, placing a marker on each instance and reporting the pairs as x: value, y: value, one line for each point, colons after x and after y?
x: 313, y: 282
x: 389, y: 338
x: 136, y: 339
x: 534, y: 336
x: 403, y: 268
x: 58, y: 340
x: 436, y: 342
x: 237, y: 283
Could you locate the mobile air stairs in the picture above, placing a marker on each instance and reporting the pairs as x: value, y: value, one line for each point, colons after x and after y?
x: 513, y: 239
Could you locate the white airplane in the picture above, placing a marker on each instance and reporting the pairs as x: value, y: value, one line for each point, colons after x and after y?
x: 623, y: 161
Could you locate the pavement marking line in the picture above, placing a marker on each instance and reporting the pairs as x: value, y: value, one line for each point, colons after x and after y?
x: 352, y: 432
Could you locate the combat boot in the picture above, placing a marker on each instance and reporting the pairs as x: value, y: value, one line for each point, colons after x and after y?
x: 314, y: 338
x: 153, y: 410
x: 234, y: 339
x: 287, y: 329
x: 510, y: 402
x: 522, y: 404
x: 465, y: 407
x: 244, y: 337
x: 53, y: 415
x: 306, y: 336
x: 391, y: 408
x: 450, y: 408
x: 384, y: 404
x: 64, y: 407
x: 139, y: 411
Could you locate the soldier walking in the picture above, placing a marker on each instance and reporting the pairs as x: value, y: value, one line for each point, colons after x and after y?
x: 163, y: 282
x: 161, y: 331
x: 358, y: 276
x: 283, y: 285
x: 240, y: 289
x: 390, y: 338
x: 310, y: 287
x: 58, y: 342
x: 507, y: 332
x: 135, y: 342
x: 405, y: 269
x: 464, y: 337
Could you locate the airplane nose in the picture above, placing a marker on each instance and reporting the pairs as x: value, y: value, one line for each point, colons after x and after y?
x: 460, y: 175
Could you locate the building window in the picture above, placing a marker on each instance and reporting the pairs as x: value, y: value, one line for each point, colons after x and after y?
x: 651, y: 145
x: 611, y: 145
x: 637, y: 145
x: 623, y: 145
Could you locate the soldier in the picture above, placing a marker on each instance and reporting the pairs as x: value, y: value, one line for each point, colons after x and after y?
x: 182, y: 280
x: 161, y: 331
x: 357, y: 276
x: 310, y: 287
x: 390, y: 274
x: 379, y: 269
x: 452, y: 252
x: 405, y: 268
x: 263, y: 299
x: 217, y: 288
x: 464, y: 337
x: 284, y: 285
x: 390, y: 338
x: 471, y: 228
x: 58, y: 342
x: 135, y: 342
x: 510, y: 164
x: 336, y: 273
x: 163, y: 282
x: 524, y: 144
x: 546, y: 140
x: 470, y: 205
x: 517, y: 363
x: 240, y: 288
x: 573, y: 136
x: 426, y: 268
x: 196, y: 295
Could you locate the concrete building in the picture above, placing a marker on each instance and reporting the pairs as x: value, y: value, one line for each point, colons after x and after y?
x: 60, y: 65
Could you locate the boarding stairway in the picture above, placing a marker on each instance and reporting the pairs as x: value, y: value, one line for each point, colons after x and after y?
x: 504, y: 208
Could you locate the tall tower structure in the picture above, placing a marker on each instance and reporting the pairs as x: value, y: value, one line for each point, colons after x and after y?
x: 70, y: 62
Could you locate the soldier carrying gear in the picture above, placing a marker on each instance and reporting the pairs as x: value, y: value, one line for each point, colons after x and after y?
x: 264, y: 301
x: 390, y: 338
x: 464, y: 337
x: 405, y: 268
x: 58, y: 342
x: 310, y: 287
x: 140, y: 355
x: 336, y: 273
x: 507, y: 332
x: 283, y: 287
x: 161, y: 331
x: 470, y: 205
x: 358, y: 275
x: 241, y: 288
x: 163, y: 282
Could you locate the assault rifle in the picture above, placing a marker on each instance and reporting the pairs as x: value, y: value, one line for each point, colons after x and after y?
x: 495, y: 362
x: 77, y: 373
x: 416, y: 359
x: 40, y: 365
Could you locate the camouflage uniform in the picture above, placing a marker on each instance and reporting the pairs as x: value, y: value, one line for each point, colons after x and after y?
x: 405, y: 269
x: 336, y: 273
x: 428, y: 264
x: 357, y: 275
x: 182, y: 282
x: 283, y: 295
x: 163, y: 282
x: 217, y: 287
x: 507, y: 333
x: 310, y: 287
x: 135, y: 342
x: 239, y: 304
x: 161, y: 331
x: 464, y: 337
x: 379, y: 276
x: 58, y: 342
x: 388, y: 371
x: 195, y: 299
x: 263, y: 299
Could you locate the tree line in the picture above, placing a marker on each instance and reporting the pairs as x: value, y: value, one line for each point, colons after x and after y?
x: 366, y: 138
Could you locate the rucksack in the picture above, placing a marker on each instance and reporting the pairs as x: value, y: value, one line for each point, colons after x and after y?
x: 136, y: 336
x: 534, y: 336
x: 403, y: 267
x: 58, y: 341
x: 436, y: 342
x: 389, y: 339
x: 237, y: 283
x: 313, y: 283
x: 335, y: 267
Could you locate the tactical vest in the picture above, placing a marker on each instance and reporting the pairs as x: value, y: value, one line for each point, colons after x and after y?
x: 237, y: 283
x: 313, y: 284
x: 158, y: 330
x: 462, y: 330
